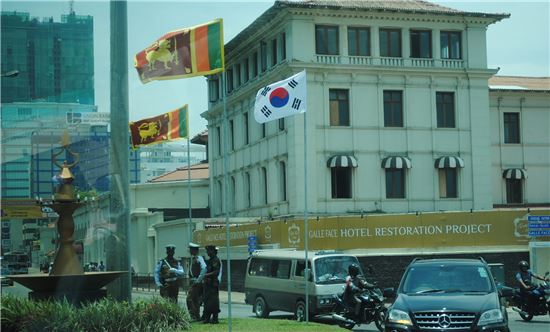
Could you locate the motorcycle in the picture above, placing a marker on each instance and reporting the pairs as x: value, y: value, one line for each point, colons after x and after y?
x: 372, y: 309
x: 527, y: 307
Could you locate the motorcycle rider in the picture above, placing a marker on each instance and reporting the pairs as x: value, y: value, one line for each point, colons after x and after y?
x: 527, y: 289
x: 355, y: 284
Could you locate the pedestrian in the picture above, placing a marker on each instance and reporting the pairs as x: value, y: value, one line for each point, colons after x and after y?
x: 101, y: 266
x: 212, y: 280
x: 197, y: 270
x: 167, y: 274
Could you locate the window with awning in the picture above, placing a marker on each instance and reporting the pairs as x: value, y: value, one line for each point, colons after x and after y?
x: 448, y: 175
x: 514, y: 184
x: 449, y: 162
x: 341, y: 161
x: 341, y: 175
x: 395, y: 167
x: 396, y: 162
x: 514, y: 173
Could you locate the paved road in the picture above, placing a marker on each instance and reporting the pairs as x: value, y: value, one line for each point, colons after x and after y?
x: 241, y: 310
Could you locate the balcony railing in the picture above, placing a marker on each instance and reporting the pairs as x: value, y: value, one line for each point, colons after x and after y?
x: 390, y: 61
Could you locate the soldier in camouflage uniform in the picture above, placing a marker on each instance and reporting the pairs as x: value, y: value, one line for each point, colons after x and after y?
x: 167, y: 274
x: 212, y: 280
x: 197, y: 270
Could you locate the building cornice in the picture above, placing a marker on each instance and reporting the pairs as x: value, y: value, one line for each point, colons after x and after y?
x: 400, y: 16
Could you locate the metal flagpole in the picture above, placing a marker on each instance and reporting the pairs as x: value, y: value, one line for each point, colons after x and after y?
x: 306, y: 244
x: 119, y: 250
x: 225, y: 200
x: 190, y: 221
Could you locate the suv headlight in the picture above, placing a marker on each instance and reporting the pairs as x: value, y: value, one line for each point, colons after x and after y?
x: 490, y: 317
x: 325, y: 300
x: 399, y: 317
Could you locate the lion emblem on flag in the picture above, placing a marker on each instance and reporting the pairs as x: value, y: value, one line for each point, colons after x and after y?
x: 148, y: 130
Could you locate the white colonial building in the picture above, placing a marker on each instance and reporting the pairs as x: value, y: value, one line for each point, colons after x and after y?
x: 520, y: 140
x: 398, y: 116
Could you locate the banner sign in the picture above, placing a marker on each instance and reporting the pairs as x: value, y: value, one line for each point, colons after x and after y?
x: 25, y: 209
x: 427, y: 230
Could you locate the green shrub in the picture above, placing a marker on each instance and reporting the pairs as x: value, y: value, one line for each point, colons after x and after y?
x: 106, y: 315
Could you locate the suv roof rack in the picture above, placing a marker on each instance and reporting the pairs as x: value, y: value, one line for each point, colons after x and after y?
x: 328, y: 252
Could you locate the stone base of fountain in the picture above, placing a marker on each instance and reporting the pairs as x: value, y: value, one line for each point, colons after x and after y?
x: 75, y: 288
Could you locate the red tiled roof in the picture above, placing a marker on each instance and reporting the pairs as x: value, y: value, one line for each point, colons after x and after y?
x: 201, y: 138
x: 519, y: 83
x: 198, y: 172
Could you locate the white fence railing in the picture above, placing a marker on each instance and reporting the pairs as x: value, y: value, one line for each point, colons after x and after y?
x: 390, y: 61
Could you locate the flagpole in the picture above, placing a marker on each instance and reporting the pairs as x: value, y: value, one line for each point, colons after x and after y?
x: 225, y: 200
x: 190, y: 221
x: 306, y: 244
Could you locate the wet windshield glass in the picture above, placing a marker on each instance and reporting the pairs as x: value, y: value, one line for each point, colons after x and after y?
x: 333, y: 269
x: 447, y: 279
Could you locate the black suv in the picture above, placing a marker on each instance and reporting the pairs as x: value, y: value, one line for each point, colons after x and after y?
x: 447, y: 295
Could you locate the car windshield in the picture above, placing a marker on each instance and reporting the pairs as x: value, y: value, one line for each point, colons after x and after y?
x: 447, y: 279
x: 333, y: 269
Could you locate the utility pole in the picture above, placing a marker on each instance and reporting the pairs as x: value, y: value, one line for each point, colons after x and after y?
x: 117, y: 244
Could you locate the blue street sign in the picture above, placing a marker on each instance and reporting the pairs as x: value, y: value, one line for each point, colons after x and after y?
x: 251, y: 243
x: 540, y: 233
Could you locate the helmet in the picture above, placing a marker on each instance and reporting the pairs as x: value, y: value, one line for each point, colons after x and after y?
x: 523, y: 265
x: 353, y: 270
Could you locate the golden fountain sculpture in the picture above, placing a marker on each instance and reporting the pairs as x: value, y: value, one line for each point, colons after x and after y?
x: 65, y: 203
x: 66, y: 279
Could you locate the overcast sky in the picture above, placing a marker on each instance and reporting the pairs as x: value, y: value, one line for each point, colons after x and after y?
x: 518, y: 45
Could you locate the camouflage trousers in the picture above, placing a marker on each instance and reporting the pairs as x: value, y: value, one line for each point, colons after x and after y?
x: 194, y: 300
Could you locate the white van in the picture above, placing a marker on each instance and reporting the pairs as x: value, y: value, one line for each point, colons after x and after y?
x: 275, y: 280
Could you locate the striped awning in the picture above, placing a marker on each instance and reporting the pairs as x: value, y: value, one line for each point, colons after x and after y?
x: 449, y: 162
x: 396, y: 162
x: 342, y: 161
x: 514, y: 173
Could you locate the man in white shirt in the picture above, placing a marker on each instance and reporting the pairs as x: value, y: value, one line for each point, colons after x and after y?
x: 167, y: 274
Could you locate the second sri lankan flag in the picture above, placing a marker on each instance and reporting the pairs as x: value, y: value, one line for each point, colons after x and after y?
x: 183, y: 53
x: 162, y: 128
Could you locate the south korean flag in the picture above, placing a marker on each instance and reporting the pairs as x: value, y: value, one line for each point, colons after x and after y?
x: 281, y: 99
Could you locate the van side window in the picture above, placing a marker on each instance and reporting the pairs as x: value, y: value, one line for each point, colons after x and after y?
x: 260, y: 267
x: 280, y: 269
x: 300, y: 268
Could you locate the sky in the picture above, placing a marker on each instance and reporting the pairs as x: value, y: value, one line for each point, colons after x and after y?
x: 518, y: 45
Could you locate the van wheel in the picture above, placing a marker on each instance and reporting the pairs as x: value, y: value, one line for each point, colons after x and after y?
x: 260, y: 308
x: 300, y: 311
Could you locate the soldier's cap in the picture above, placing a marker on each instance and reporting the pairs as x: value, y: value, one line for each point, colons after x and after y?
x: 170, y: 246
x: 194, y: 245
x: 211, y: 246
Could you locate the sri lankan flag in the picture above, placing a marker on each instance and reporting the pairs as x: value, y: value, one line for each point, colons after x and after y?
x: 162, y: 128
x: 183, y: 53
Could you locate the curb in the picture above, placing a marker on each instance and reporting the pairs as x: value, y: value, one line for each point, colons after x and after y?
x: 183, y: 295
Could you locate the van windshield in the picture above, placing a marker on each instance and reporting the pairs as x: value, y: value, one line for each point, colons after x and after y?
x: 447, y: 279
x: 333, y: 269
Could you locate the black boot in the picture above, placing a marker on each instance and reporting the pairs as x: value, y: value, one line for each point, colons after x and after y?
x: 214, y: 319
x: 205, y: 318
